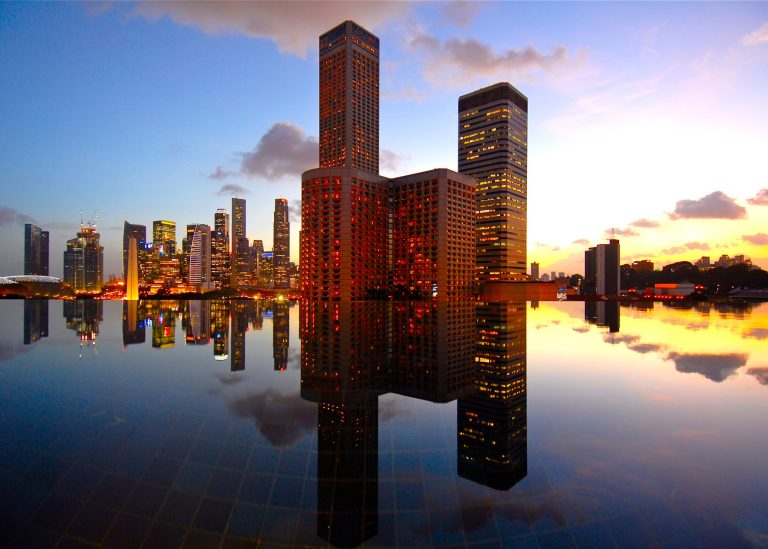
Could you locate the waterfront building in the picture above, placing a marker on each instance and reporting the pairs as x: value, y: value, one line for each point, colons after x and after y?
x: 241, y: 257
x: 36, y: 248
x: 200, y: 257
x: 364, y: 235
x: 84, y: 261
x: 138, y: 232
x: 493, y: 148
x: 534, y: 271
x: 220, y: 274
x: 281, y: 249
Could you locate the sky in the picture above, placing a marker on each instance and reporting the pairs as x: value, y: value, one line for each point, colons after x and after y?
x: 648, y: 121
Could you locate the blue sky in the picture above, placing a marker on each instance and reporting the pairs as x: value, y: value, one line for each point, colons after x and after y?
x: 640, y: 114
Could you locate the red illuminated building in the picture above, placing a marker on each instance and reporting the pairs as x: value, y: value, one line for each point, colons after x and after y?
x: 364, y: 235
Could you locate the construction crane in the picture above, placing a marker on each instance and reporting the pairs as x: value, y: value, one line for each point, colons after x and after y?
x: 91, y: 223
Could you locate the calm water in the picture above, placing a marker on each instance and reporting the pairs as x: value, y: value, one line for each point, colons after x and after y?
x: 211, y: 424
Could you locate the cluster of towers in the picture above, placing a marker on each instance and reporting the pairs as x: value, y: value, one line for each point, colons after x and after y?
x: 426, y: 234
x: 209, y: 258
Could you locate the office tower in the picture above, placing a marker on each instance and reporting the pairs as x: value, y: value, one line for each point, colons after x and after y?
x: 265, y: 269
x: 35, y: 320
x: 492, y: 424
x: 534, y: 271
x: 601, y: 269
x: 200, y: 257
x: 349, y: 98
x: 84, y: 261
x: 132, y: 271
x: 354, y: 245
x: 139, y: 232
x: 35, y: 250
x: 220, y: 274
x: 257, y: 253
x: 280, y: 330
x: 164, y: 237
x: 241, y: 262
x: 493, y: 148
x: 281, y: 249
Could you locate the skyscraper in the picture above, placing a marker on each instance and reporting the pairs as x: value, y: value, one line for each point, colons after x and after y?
x: 534, y: 271
x: 84, y: 261
x: 493, y: 148
x: 35, y: 250
x: 131, y: 279
x: 240, y: 263
x: 281, y: 249
x: 220, y: 277
x: 349, y: 98
x: 364, y: 235
x: 139, y: 232
x: 200, y: 257
x: 164, y: 237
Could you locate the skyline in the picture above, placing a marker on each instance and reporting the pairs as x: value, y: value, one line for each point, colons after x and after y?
x: 622, y: 86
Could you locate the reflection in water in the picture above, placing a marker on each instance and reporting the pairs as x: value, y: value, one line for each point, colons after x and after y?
x: 196, y: 321
x: 220, y: 329
x: 353, y: 352
x: 134, y: 331
x: 603, y: 313
x: 161, y: 315
x: 239, y: 327
x: 280, y: 325
x: 35, y: 320
x: 83, y: 316
x: 492, y: 430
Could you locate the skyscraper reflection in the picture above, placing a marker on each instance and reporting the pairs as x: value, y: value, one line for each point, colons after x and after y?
x: 603, y: 313
x: 351, y: 353
x: 239, y: 327
x: 35, y: 320
x: 134, y: 331
x: 280, y: 327
x: 162, y: 314
x: 199, y: 322
x: 220, y: 328
x: 492, y: 424
x: 83, y: 316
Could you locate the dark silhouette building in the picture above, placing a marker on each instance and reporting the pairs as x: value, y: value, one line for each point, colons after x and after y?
x: 601, y: 269
x: 36, y: 250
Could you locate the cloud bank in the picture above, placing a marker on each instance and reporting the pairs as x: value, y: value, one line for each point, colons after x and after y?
x: 760, y: 199
x: 759, y: 239
x: 716, y: 205
x: 10, y: 216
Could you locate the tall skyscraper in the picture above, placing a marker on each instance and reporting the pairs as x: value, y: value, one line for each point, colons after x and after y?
x: 200, y: 257
x: 257, y: 263
x: 601, y: 269
x: 493, y: 148
x: 281, y: 249
x: 84, y: 261
x: 139, y: 232
x: 220, y: 276
x: 240, y: 263
x: 131, y: 279
x: 349, y: 98
x: 364, y: 235
x: 35, y: 250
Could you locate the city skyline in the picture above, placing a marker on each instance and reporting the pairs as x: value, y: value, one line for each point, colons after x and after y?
x: 625, y: 108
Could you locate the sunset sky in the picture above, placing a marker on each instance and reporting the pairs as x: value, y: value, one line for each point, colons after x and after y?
x: 647, y: 118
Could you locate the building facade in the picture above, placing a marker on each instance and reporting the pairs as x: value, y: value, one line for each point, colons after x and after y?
x: 36, y: 258
x: 200, y: 257
x: 364, y: 235
x: 602, y: 275
x: 241, y: 258
x: 281, y: 249
x: 139, y: 232
x: 84, y: 261
x: 220, y: 277
x: 493, y: 148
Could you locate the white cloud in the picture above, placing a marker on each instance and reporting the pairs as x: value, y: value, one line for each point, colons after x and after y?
x: 757, y: 36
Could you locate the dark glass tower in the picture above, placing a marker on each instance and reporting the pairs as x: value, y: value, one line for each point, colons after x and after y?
x: 35, y: 250
x: 493, y: 148
x: 281, y: 250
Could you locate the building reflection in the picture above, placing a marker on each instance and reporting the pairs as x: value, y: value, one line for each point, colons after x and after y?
x: 239, y: 327
x: 220, y: 328
x: 161, y: 315
x: 280, y: 328
x: 351, y: 353
x: 196, y: 320
x: 134, y: 326
x: 603, y: 313
x: 35, y: 320
x: 492, y: 423
x: 83, y: 316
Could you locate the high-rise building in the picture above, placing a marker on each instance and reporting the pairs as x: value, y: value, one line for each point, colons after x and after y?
x: 364, y: 235
x: 164, y: 237
x: 281, y: 249
x: 534, y: 271
x: 84, y: 261
x: 240, y: 263
x: 257, y: 253
x: 493, y: 148
x: 131, y: 279
x: 601, y: 269
x: 35, y: 250
x: 220, y: 275
x: 139, y: 232
x: 200, y: 257
x: 349, y: 98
